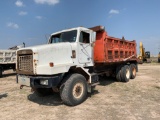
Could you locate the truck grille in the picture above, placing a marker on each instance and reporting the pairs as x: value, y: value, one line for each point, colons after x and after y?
x: 26, y: 63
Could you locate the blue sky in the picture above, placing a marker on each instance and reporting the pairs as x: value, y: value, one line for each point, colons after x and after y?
x: 30, y: 21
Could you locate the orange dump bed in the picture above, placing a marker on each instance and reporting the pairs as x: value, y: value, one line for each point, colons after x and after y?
x: 110, y: 49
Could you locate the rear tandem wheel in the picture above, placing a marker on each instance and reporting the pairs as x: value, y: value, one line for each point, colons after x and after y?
x: 125, y: 73
x: 133, y: 71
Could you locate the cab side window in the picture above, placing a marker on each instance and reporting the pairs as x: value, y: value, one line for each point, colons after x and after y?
x: 84, y: 37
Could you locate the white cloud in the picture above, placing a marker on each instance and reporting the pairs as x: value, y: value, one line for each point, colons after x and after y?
x: 22, y: 13
x: 112, y: 11
x: 49, y: 2
x: 12, y: 25
x: 19, y: 3
x: 39, y: 17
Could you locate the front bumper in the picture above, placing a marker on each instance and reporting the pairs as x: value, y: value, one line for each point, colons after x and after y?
x: 35, y: 82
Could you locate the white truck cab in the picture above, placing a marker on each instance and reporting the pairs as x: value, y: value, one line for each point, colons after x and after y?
x: 80, y: 40
x: 61, y: 65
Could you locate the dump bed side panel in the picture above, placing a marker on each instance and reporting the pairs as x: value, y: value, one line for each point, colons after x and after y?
x: 7, y: 56
x: 109, y: 49
x: 99, y: 48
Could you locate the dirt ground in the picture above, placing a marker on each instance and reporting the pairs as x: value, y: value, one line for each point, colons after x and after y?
x: 139, y: 99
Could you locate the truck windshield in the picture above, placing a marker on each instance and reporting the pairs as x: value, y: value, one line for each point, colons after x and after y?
x: 69, y: 36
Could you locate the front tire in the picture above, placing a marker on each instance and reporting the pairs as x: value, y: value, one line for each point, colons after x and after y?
x: 74, y: 90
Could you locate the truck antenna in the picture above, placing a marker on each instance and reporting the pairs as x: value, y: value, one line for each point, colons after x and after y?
x: 23, y: 44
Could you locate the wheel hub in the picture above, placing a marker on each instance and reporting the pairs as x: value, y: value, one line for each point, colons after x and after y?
x: 128, y: 73
x: 78, y: 90
x: 134, y: 71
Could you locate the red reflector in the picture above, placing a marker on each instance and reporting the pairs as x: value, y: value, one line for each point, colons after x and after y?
x: 51, y: 64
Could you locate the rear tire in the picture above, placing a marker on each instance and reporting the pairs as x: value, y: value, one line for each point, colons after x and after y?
x: 118, y: 73
x: 74, y: 90
x: 133, y: 71
x: 125, y: 73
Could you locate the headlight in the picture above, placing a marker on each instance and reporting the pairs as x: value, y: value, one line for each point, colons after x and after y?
x: 44, y: 82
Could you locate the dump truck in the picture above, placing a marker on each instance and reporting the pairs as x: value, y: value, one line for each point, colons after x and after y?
x: 144, y: 56
x: 72, y: 62
x: 8, y: 59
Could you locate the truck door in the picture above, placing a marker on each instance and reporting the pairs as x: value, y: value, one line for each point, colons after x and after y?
x: 84, y: 48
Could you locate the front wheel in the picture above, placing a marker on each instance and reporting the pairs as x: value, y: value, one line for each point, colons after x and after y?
x: 74, y: 90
